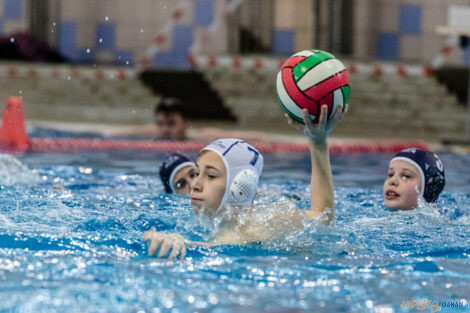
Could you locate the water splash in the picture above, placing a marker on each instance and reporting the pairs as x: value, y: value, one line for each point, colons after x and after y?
x: 12, y: 171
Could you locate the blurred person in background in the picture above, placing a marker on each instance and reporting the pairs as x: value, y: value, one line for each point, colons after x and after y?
x: 171, y: 122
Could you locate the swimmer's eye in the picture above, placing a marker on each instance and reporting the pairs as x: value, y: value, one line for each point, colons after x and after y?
x: 211, y: 176
x: 192, y: 175
x: 180, y: 184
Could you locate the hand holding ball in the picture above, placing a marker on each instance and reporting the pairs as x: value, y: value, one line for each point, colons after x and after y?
x: 309, y: 79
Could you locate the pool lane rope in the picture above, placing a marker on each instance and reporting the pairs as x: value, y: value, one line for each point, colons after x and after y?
x: 351, y: 146
x: 13, y: 137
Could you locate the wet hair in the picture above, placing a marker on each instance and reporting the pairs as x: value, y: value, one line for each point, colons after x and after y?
x: 170, y: 105
x: 430, y: 168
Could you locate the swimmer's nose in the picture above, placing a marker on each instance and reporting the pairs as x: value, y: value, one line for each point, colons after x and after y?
x: 393, y: 180
x: 196, y: 183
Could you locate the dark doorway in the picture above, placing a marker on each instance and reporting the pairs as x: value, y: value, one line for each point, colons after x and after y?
x: 333, y: 25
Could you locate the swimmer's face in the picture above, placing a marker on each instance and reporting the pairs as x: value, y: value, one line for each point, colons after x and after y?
x: 183, y: 179
x: 170, y: 126
x: 208, y: 187
x: 402, y: 186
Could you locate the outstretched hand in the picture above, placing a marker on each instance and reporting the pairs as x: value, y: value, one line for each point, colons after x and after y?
x: 166, y: 242
x: 318, y: 132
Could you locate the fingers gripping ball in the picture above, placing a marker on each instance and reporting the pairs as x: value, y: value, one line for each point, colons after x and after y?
x: 309, y: 79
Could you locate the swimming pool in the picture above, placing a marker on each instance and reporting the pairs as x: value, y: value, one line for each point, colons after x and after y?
x: 71, y: 241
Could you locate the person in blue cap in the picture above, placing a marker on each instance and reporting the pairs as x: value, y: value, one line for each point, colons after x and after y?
x: 177, y: 173
x: 413, y: 173
x: 227, y: 175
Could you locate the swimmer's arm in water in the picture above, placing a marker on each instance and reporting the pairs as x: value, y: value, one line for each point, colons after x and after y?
x: 254, y: 232
x: 175, y: 244
x: 321, y: 183
x: 172, y: 245
x: 226, y: 237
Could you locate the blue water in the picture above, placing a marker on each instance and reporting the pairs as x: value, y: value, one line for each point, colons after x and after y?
x: 71, y: 241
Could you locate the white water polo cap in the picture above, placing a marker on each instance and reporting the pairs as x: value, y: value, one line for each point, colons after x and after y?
x: 244, y: 165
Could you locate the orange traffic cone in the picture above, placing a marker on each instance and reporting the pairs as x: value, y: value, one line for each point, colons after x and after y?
x: 13, y: 131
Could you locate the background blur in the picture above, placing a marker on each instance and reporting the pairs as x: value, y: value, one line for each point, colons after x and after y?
x: 109, y: 61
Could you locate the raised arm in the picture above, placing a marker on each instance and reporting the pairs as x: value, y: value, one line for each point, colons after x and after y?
x: 321, y: 182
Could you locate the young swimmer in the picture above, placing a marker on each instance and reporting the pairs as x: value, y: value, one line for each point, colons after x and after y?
x: 413, y: 173
x: 176, y: 173
x: 226, y: 183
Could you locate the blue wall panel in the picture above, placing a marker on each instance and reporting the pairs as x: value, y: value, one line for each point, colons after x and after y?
x: 410, y: 19
x: 106, y: 32
x: 83, y: 56
x: 283, y: 42
x: 68, y: 39
x: 181, y: 61
x: 13, y: 9
x: 123, y: 56
x: 1, y: 26
x: 182, y: 39
x: 388, y: 46
x: 203, y: 12
x: 163, y: 59
x: 171, y: 59
x: 466, y: 54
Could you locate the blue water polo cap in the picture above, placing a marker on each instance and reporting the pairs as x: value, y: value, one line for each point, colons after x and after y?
x: 170, y: 166
x: 430, y: 168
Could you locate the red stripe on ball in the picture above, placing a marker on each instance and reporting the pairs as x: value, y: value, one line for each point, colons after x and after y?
x: 295, y: 93
x: 319, y: 91
x: 328, y: 100
x: 293, y: 61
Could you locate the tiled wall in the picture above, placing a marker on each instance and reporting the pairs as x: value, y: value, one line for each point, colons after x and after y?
x: 292, y: 26
x: 12, y: 16
x: 388, y: 30
x: 120, y: 31
x: 393, y: 30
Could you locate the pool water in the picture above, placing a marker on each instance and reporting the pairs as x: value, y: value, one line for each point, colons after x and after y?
x: 71, y: 241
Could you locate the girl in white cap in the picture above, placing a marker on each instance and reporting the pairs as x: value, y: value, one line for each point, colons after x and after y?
x: 226, y: 182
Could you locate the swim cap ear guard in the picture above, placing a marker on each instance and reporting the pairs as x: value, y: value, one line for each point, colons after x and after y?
x: 430, y: 168
x: 244, y: 186
x: 244, y: 165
